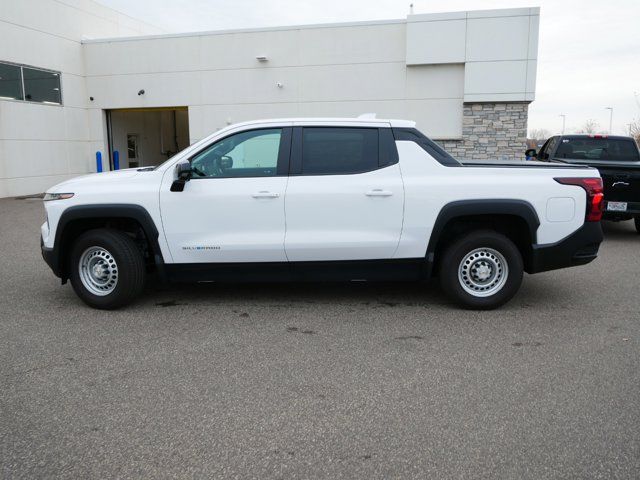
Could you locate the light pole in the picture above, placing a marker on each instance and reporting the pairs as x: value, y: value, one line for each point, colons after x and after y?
x: 564, y: 118
x: 610, y: 117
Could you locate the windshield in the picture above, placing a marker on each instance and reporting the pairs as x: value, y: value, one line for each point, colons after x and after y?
x: 618, y: 149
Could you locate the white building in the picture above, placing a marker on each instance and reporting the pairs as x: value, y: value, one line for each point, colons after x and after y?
x: 77, y: 78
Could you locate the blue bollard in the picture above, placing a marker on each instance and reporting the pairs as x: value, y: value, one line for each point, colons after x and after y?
x: 98, y: 162
x: 116, y: 160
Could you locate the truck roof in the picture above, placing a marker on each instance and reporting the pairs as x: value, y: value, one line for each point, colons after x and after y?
x: 364, y: 120
x: 597, y: 135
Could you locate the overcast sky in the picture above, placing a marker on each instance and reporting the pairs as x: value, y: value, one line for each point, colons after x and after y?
x: 588, y: 58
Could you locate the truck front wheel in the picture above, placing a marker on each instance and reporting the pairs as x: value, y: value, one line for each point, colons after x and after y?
x: 107, y: 269
x: 481, y: 270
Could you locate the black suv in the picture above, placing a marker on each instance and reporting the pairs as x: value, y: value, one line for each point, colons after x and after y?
x: 616, y: 158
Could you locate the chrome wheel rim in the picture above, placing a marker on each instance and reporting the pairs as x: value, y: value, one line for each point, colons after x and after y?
x: 483, y: 272
x: 98, y: 271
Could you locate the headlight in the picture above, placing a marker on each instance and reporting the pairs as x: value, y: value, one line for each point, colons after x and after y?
x: 56, y: 196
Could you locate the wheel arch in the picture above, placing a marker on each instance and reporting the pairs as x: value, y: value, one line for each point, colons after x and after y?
x: 517, y: 219
x: 81, y: 218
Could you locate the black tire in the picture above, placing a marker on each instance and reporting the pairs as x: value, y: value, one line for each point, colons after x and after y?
x: 128, y: 269
x: 636, y: 220
x: 453, y: 275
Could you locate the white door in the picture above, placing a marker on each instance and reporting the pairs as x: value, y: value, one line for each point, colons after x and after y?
x: 232, y: 209
x: 342, y: 202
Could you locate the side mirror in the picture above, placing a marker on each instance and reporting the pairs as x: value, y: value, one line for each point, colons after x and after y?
x: 183, y: 169
x: 531, y: 153
x: 183, y: 172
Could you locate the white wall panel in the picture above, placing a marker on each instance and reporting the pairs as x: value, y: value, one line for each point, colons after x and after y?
x: 29, y: 158
x: 3, y: 164
x: 534, y: 33
x: 250, y: 86
x: 436, y: 42
x: 79, y: 158
x: 352, y: 82
x: 25, y: 121
x: 207, y: 119
x: 495, y: 77
x: 382, y: 108
x: 97, y: 124
x: 162, y: 89
x: 532, y: 66
x: 175, y: 54
x: 435, y: 81
x: 74, y: 90
x: 358, y: 44
x: 239, y: 50
x: 436, y: 118
x: 501, y: 38
x: 76, y: 124
x: 22, y: 45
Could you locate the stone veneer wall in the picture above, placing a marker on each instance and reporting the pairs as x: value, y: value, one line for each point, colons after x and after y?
x: 491, y: 131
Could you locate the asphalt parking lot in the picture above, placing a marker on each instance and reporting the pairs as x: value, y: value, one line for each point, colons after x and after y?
x: 319, y: 380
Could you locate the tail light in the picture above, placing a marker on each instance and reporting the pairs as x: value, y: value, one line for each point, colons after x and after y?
x: 593, y: 187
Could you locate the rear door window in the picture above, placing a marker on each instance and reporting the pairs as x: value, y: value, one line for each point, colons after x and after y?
x: 613, y: 149
x: 339, y: 150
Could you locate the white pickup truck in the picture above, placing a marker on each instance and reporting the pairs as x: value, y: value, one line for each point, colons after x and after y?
x: 321, y: 199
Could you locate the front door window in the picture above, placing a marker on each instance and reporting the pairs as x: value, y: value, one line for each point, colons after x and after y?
x: 252, y: 153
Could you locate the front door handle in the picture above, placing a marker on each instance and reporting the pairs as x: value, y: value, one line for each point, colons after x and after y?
x: 265, y: 194
x: 378, y: 192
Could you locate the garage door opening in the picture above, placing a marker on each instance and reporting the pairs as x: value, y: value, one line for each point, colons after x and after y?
x: 146, y: 137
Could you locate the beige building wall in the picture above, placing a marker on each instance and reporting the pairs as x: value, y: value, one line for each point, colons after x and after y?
x: 41, y: 145
x: 429, y: 68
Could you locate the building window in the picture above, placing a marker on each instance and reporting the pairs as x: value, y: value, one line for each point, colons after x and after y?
x: 10, y: 82
x: 19, y: 82
x: 41, y: 86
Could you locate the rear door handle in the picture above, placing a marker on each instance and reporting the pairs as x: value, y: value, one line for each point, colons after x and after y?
x: 378, y: 192
x: 265, y: 194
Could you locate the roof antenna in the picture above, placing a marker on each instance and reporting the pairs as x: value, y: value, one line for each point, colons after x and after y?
x: 411, y: 9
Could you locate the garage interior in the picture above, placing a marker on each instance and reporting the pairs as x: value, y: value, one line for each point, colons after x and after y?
x: 146, y: 137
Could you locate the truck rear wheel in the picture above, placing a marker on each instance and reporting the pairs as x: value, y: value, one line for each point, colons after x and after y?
x: 481, y: 270
x: 107, y: 269
x: 636, y: 220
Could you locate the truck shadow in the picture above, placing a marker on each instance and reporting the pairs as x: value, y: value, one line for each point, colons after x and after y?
x: 381, y: 294
x: 619, y: 230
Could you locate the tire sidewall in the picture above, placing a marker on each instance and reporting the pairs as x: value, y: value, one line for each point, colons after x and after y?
x: 462, y: 247
x: 122, y: 293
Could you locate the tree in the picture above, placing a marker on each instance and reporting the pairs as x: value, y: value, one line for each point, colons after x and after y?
x: 590, y: 127
x: 634, y: 130
x: 539, y: 134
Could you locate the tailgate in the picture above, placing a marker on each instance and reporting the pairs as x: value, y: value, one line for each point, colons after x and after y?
x: 621, y: 181
x: 621, y: 184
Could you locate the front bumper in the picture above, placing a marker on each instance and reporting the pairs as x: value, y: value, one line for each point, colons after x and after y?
x: 51, y: 258
x: 579, y: 248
